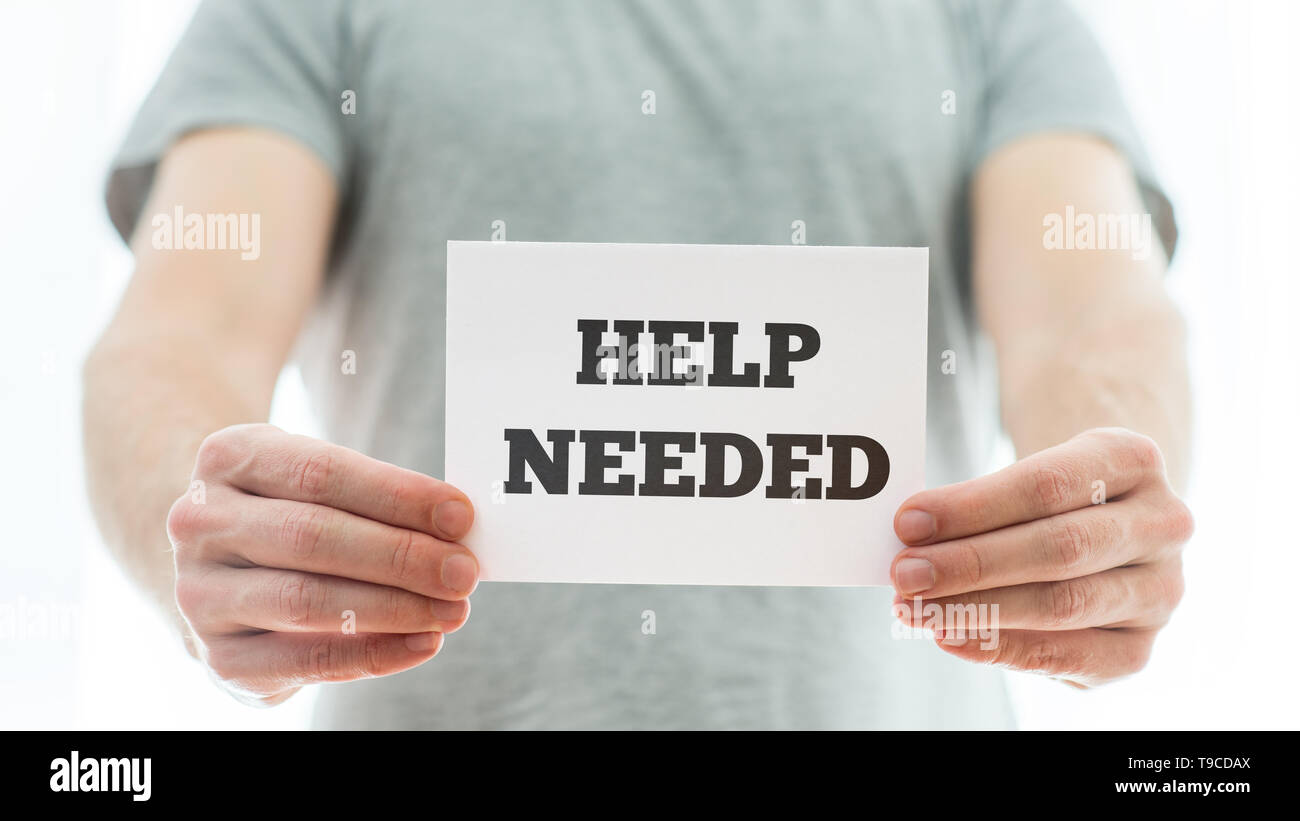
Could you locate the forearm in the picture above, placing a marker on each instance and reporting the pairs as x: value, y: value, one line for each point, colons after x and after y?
x: 1121, y: 364
x: 1085, y: 338
x: 150, y: 398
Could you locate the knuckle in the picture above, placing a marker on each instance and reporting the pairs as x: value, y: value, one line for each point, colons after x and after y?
x: 372, y: 655
x: 191, y: 596
x: 1177, y: 589
x: 220, y: 452
x: 403, y: 556
x: 976, y: 599
x: 1172, y: 588
x: 320, y: 659
x: 304, y: 531
x: 1069, y: 544
x: 313, y: 473
x: 963, y: 617
x: 1006, y: 654
x: 1145, y: 453
x: 395, y: 606
x: 971, y: 564
x: 1111, y: 531
x: 222, y: 659
x: 1137, y: 654
x: 1040, y: 654
x: 1052, y: 486
x: 398, y: 497
x: 298, y: 600
x: 1068, y: 603
x: 1180, y: 521
x: 185, y: 520
x: 1105, y: 437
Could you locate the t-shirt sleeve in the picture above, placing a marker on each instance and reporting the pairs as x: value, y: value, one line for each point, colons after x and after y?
x: 275, y: 65
x: 1044, y: 71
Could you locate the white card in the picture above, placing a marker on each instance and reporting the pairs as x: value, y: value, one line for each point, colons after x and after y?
x: 654, y: 483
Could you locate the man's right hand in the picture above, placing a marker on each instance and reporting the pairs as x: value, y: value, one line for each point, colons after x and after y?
x: 299, y: 561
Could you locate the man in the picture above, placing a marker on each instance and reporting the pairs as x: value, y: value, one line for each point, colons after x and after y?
x: 365, y: 136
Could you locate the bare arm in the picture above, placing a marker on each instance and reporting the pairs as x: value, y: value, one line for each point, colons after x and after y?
x: 200, y: 335
x: 1073, y: 552
x: 300, y: 561
x: 1085, y: 338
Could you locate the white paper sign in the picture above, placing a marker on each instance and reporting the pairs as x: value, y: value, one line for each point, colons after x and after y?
x: 685, y: 414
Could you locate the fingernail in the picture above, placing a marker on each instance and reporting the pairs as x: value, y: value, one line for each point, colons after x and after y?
x: 914, y: 575
x: 915, y: 525
x: 452, y: 519
x: 448, y: 615
x: 421, y: 642
x: 460, y: 573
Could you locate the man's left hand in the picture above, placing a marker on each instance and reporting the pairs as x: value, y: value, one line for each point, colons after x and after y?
x: 1079, y: 546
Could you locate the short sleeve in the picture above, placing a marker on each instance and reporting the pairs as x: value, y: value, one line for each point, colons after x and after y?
x: 1044, y: 71
x: 240, y: 62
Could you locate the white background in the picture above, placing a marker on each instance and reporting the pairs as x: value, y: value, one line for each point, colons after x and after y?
x: 1211, y: 82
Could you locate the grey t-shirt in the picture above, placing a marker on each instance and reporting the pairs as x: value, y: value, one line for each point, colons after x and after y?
x: 862, y: 119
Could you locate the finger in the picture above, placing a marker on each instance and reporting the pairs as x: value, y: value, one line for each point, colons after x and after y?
x: 264, y: 599
x: 1085, y: 657
x: 272, y: 662
x: 1124, y: 596
x: 1052, y: 549
x: 1067, y: 477
x: 268, y: 462
x: 318, y: 539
